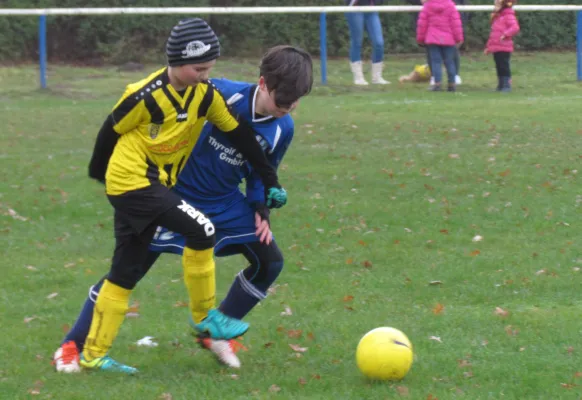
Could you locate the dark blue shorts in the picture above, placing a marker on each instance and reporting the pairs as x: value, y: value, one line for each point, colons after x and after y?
x: 234, y: 225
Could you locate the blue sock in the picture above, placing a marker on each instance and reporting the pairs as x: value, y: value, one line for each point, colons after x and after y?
x: 80, y: 329
x: 242, y: 297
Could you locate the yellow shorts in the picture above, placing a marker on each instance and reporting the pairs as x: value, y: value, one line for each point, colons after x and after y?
x: 423, y: 72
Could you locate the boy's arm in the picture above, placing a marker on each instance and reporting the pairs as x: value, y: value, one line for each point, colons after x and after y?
x: 103, y: 149
x: 254, y: 187
x: 125, y: 116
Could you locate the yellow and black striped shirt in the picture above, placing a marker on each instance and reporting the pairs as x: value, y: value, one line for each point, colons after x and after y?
x: 158, y: 129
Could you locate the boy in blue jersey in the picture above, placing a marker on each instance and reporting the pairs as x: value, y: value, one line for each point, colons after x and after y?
x: 209, y: 184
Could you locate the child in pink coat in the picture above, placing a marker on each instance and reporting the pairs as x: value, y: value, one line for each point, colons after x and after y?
x: 440, y: 28
x: 504, y: 27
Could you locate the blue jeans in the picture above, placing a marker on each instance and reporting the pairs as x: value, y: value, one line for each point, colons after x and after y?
x: 457, y: 60
x: 438, y: 55
x: 356, y: 23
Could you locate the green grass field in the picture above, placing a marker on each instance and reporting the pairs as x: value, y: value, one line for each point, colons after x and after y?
x: 388, y: 187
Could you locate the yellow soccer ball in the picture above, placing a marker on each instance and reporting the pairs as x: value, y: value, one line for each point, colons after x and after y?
x: 385, y: 354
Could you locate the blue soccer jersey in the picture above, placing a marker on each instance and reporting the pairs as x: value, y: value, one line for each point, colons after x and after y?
x: 211, y: 178
x: 214, y: 171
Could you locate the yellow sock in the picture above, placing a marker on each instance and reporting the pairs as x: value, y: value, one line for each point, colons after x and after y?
x: 200, y: 281
x: 108, y: 314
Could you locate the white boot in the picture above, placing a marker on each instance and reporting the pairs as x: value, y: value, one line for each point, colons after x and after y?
x: 358, y: 73
x: 377, y: 74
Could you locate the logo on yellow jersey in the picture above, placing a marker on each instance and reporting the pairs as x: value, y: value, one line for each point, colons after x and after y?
x: 154, y: 130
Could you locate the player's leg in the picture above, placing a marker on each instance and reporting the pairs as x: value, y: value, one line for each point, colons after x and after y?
x: 251, y: 284
x: 113, y: 300
x: 199, y: 270
x: 66, y: 358
x: 248, y: 289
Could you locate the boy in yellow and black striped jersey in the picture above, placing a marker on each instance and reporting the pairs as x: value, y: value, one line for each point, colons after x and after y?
x: 140, y: 149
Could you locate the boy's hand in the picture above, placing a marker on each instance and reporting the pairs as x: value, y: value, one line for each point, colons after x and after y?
x: 486, y: 51
x: 276, y: 197
x: 262, y: 224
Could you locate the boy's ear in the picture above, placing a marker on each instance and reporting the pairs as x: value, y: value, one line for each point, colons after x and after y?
x: 262, y: 83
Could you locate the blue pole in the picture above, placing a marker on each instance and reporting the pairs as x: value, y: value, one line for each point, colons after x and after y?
x: 579, y: 44
x: 42, y: 49
x: 323, y: 47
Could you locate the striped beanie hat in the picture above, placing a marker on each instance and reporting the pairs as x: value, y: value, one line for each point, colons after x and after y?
x: 192, y: 41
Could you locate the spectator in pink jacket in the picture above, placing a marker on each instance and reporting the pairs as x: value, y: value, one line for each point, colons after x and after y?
x: 439, y: 28
x: 504, y: 27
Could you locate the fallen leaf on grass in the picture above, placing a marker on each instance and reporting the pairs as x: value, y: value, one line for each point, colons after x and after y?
x: 431, y: 397
x: 475, y: 253
x: 348, y: 298
x: 274, y: 388
x: 510, y: 331
x: 52, y: 295
x: 310, y: 336
x: 298, y: 348
x: 295, y: 333
x: 438, y: 309
x: 462, y: 363
x: 402, y: 391
x: 287, y: 311
x: 367, y: 264
x: 568, y: 385
x: 180, y: 304
x: 165, y: 396
x: 434, y: 283
x: 316, y: 376
x: 477, y: 238
x: 268, y: 344
x: 28, y: 319
x: 501, y: 312
x: 578, y: 375
x: 35, y: 390
x: 435, y: 338
x: 302, y: 381
x: 468, y: 374
x: 234, y: 376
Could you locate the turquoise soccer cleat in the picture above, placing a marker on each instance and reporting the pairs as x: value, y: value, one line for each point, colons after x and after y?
x: 108, y: 364
x: 218, y: 326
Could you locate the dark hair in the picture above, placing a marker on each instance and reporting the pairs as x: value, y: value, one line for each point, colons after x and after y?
x: 287, y: 70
